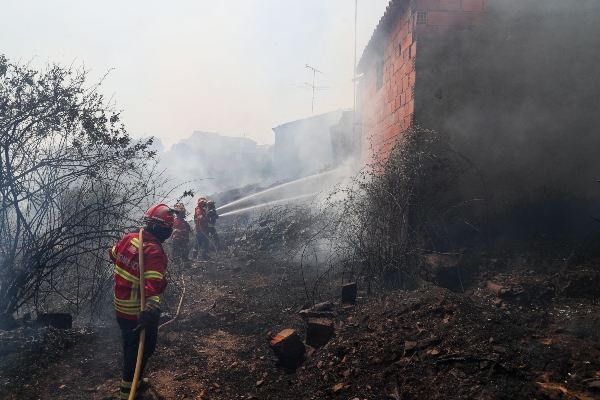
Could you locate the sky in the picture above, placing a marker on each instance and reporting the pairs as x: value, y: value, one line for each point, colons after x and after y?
x: 233, y: 67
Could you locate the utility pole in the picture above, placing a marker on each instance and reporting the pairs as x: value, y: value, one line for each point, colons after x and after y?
x: 354, y: 67
x: 314, y: 87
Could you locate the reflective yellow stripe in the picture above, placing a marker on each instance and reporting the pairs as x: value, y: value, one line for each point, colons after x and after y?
x: 135, y: 242
x: 154, y: 298
x: 128, y: 311
x: 125, y: 384
x: 114, y: 251
x: 134, y: 291
x: 126, y: 275
x: 153, y: 274
x: 127, y: 303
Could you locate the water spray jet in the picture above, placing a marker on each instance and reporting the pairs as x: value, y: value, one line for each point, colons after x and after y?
x: 268, y: 204
x: 273, y: 189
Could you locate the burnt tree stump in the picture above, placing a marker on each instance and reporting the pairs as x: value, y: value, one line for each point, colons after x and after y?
x: 349, y: 292
x: 318, y: 332
x: 288, y: 347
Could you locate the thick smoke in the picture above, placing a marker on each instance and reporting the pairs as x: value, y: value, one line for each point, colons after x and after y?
x: 517, y: 95
x: 207, y: 163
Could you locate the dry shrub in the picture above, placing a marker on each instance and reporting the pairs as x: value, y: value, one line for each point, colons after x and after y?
x: 423, y: 198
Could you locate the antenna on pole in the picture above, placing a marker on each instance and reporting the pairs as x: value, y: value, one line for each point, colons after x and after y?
x: 314, y: 87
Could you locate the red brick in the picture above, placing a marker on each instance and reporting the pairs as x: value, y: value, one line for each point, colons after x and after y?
x: 472, y: 5
x: 404, y: 17
x: 411, y: 77
x: 470, y: 18
x: 402, y: 71
x: 407, y: 41
x: 450, y: 5
x: 409, y: 67
x: 401, y: 126
x: 460, y: 19
x: 427, y: 5
x: 437, y: 18
x: 403, y: 32
x: 402, y: 112
x: 397, y: 27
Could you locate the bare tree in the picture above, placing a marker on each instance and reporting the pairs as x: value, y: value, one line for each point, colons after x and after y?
x: 70, y: 179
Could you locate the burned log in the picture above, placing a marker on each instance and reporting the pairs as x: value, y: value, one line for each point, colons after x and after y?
x: 442, y: 269
x: 318, y: 332
x: 349, y: 292
x: 288, y: 347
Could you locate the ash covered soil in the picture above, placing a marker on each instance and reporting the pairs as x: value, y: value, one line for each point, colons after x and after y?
x: 537, y: 337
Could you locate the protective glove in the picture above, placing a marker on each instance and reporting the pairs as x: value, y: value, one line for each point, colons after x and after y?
x: 148, y: 317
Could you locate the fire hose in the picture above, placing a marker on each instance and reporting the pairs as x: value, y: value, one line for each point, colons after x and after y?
x: 138, y: 363
x: 142, y: 341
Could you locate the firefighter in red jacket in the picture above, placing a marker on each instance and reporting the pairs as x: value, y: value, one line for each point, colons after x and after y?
x: 212, y: 221
x: 201, y: 222
x: 181, y: 235
x: 158, y: 227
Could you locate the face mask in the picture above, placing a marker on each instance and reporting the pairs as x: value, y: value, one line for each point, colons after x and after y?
x: 160, y: 233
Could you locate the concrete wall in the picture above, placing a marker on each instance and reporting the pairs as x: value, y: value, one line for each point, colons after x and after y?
x: 303, y: 147
x: 518, y: 96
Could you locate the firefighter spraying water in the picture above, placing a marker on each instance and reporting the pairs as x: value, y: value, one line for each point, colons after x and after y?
x: 201, y: 223
x: 212, y: 221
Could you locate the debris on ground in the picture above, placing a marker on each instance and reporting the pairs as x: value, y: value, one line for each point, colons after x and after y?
x: 524, y: 327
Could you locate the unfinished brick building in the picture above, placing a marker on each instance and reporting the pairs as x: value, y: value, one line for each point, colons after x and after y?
x: 388, y: 63
x: 513, y: 85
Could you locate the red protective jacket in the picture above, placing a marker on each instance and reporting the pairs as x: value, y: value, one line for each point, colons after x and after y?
x: 127, y: 274
x: 201, y: 219
x: 181, y: 229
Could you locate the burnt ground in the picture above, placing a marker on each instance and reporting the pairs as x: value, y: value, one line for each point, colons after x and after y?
x: 538, y: 337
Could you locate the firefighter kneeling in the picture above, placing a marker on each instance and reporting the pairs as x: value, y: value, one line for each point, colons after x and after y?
x: 158, y: 227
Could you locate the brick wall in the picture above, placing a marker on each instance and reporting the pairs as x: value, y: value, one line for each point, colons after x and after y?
x: 441, y: 14
x: 387, y: 111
